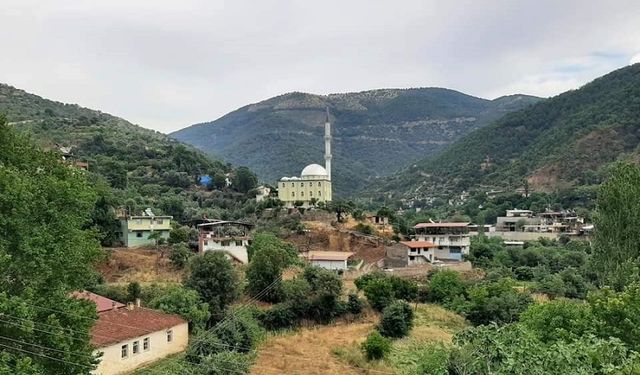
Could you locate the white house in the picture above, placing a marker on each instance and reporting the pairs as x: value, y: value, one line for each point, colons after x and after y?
x: 230, y: 237
x: 451, y: 240
x: 330, y: 260
x: 129, y: 337
x: 420, y: 252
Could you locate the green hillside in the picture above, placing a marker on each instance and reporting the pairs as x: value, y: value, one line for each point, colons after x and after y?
x: 565, y: 142
x: 376, y: 133
x: 129, y: 165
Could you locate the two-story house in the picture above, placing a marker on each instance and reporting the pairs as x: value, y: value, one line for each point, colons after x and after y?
x: 230, y: 237
x: 447, y: 241
x: 136, y: 229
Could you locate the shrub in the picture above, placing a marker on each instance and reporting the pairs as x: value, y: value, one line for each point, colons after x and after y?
x: 282, y: 315
x: 364, y: 229
x: 560, y: 320
x: 404, y: 289
x: 184, y: 302
x: 203, y: 345
x: 224, y: 363
x: 354, y: 304
x: 376, y: 346
x: 180, y: 255
x: 379, y: 293
x: 444, y: 286
x: 495, y: 302
x: 433, y: 360
x: 362, y: 281
x: 134, y: 290
x: 397, y: 320
x: 240, y: 331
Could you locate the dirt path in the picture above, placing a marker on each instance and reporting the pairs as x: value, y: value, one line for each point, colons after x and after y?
x: 308, y: 351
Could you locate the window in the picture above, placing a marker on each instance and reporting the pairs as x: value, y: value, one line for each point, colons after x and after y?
x: 293, y: 193
x: 146, y: 344
x: 293, y: 184
x: 205, y: 243
x: 238, y: 243
x: 302, y: 184
x: 226, y: 243
x: 136, y: 347
x: 319, y: 183
x: 124, y: 351
x: 169, y: 335
x: 302, y: 193
x: 139, y: 234
x: 319, y: 193
x: 160, y: 221
x: 138, y: 221
x: 311, y: 193
x: 283, y: 184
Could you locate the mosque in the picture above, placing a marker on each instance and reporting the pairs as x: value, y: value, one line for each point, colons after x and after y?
x: 314, y: 182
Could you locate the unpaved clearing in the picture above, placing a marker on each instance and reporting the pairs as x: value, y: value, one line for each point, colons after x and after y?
x: 140, y: 264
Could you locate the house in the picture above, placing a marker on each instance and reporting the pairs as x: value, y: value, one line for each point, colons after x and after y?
x: 420, y: 252
x: 262, y: 193
x: 231, y: 237
x: 516, y: 221
x: 330, y: 260
x: 130, y: 336
x: 452, y: 240
x: 377, y: 220
x: 135, y: 230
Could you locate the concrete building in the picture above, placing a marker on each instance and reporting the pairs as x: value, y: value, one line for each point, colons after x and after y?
x: 135, y: 230
x: 131, y: 336
x: 262, y: 193
x: 230, y: 237
x: 452, y: 240
x: 516, y: 221
x: 314, y: 183
x: 330, y: 260
x: 420, y: 252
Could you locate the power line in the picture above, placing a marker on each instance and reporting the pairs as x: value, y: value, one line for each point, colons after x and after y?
x: 46, y: 347
x: 45, y: 356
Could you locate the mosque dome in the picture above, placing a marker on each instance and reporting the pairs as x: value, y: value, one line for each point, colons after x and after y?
x: 313, y: 170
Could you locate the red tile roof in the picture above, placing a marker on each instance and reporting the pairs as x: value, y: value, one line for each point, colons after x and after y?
x: 102, y: 303
x: 114, y: 326
x: 418, y: 244
x: 440, y: 225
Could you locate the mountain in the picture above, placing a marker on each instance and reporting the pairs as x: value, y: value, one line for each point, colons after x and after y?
x: 375, y: 133
x: 561, y: 143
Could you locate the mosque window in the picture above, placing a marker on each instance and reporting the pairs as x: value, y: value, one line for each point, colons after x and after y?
x: 319, y: 183
x: 319, y: 193
x: 311, y: 193
x: 293, y: 184
x: 302, y: 193
x: 283, y: 184
x: 302, y: 184
x: 293, y: 193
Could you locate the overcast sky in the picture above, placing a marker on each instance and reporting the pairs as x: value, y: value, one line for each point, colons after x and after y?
x: 168, y: 64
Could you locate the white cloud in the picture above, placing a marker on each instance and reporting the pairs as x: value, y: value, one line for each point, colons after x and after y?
x: 168, y: 64
x: 635, y: 59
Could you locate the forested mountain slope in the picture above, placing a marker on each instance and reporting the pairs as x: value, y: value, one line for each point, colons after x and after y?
x: 565, y: 142
x: 375, y: 132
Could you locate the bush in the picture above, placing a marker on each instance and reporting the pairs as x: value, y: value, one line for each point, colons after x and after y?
x: 282, y: 315
x: 224, y: 363
x: 203, y: 345
x: 364, y: 229
x: 354, y: 304
x: 560, y: 320
x: 444, y: 286
x: 376, y: 346
x: 180, y: 255
x: 434, y: 360
x: 404, y: 289
x: 379, y: 293
x: 240, y: 331
x: 215, y: 279
x: 397, y: 320
x: 362, y: 281
x: 184, y: 302
x: 495, y: 302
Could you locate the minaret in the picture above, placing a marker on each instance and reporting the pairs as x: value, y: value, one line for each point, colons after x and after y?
x: 327, y: 145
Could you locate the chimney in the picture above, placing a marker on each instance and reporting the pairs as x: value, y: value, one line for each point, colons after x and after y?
x: 137, y: 302
x: 130, y: 306
x: 114, y: 306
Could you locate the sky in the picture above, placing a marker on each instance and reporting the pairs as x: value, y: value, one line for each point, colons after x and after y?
x: 168, y: 64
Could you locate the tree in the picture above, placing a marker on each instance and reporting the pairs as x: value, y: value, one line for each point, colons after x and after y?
x: 180, y: 255
x: 619, y: 313
x: 269, y: 257
x: 616, y: 249
x: 46, y: 253
x: 134, y: 290
x: 184, y: 302
x: 379, y: 293
x: 397, y: 320
x: 244, y: 180
x: 212, y: 275
x: 445, y: 286
x: 178, y: 234
x: 341, y: 208
x: 560, y: 320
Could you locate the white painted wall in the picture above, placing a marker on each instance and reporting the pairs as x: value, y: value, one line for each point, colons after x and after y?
x: 330, y: 264
x: 112, y: 362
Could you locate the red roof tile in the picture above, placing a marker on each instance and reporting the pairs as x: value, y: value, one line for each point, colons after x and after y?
x: 440, y: 225
x: 122, y: 324
x: 102, y: 303
x: 418, y: 244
